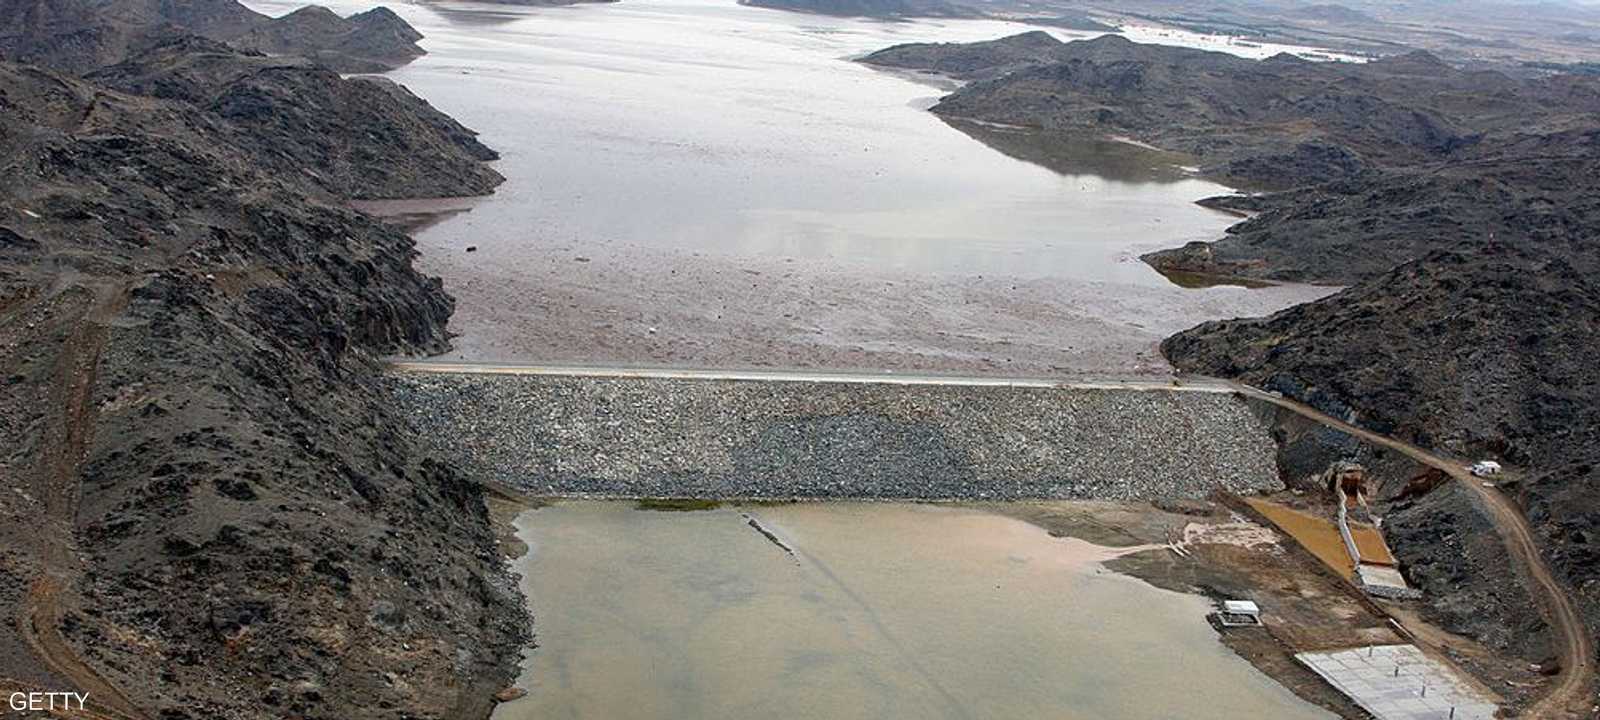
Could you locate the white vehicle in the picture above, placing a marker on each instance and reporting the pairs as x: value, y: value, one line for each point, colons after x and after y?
x: 1485, y: 468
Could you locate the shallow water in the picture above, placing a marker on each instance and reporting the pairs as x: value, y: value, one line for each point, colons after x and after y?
x: 698, y: 182
x: 742, y: 131
x: 873, y: 611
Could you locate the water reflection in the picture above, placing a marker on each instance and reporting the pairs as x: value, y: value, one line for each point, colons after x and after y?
x: 471, y: 14
x: 1197, y: 281
x: 1079, y: 154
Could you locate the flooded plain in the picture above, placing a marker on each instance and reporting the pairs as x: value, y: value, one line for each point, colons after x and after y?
x: 699, y: 182
x: 858, y: 611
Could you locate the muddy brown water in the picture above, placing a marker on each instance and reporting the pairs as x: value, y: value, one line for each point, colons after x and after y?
x: 1319, y: 535
x: 858, y: 611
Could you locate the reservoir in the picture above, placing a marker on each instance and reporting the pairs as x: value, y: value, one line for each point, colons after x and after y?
x: 696, y: 182
x: 857, y: 610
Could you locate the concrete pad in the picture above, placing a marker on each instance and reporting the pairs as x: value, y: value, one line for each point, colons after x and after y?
x: 1381, y: 575
x: 1399, y: 682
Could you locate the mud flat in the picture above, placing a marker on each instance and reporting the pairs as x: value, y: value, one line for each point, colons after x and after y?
x: 646, y: 437
x: 572, y: 303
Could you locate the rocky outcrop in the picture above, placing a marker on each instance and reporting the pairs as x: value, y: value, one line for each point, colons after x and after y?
x: 357, y: 137
x: 1476, y: 351
x: 972, y: 61
x: 78, y: 36
x: 216, y: 513
x: 1221, y: 107
x: 68, y: 35
x: 1448, y: 548
x: 1529, y: 189
x: 1403, y: 109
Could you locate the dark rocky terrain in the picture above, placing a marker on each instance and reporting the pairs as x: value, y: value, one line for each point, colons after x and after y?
x: 973, y: 61
x: 1480, y: 352
x: 207, y: 508
x: 1460, y: 207
x: 360, y: 137
x: 1280, y: 122
x: 1375, y: 164
x: 82, y: 35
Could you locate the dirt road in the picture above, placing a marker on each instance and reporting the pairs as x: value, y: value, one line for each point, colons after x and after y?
x: 1569, y: 696
x: 71, y: 319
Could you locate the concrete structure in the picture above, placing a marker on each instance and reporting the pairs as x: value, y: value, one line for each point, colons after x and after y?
x: 1376, y: 570
x: 1239, y: 613
x: 1349, y: 480
x: 1399, y: 682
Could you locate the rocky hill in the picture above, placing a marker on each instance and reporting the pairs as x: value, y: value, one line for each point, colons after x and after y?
x: 1406, y: 110
x: 1461, y: 208
x: 210, y: 509
x: 81, y: 35
x: 358, y: 137
x: 973, y: 61
x: 1345, y: 231
x: 1382, y: 161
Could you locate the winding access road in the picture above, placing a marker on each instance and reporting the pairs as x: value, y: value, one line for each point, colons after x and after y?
x: 1568, y: 697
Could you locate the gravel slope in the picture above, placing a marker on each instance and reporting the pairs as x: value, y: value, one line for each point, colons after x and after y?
x: 709, y: 438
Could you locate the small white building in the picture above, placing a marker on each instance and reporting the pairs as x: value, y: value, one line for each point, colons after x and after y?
x: 1239, y: 613
x: 1485, y: 468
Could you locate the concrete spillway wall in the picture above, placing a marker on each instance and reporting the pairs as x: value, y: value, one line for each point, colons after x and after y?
x: 652, y: 437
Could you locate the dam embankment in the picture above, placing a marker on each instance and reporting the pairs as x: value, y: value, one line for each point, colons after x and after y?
x: 642, y: 436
